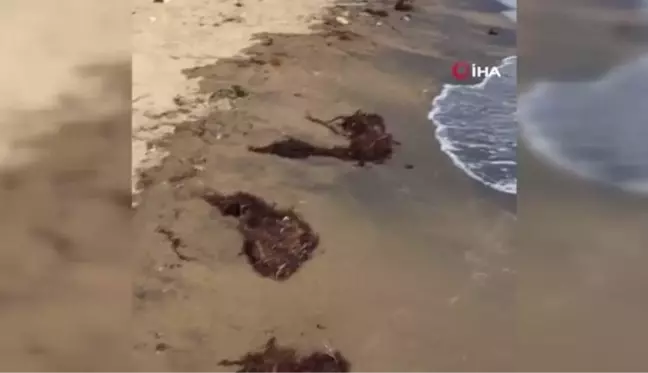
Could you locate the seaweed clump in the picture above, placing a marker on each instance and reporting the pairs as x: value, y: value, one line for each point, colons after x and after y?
x: 274, y: 358
x: 369, y: 141
x: 404, y: 5
x: 276, y: 242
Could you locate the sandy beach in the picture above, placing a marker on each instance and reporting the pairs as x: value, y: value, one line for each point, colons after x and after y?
x: 118, y: 119
x: 413, y: 269
x: 66, y: 191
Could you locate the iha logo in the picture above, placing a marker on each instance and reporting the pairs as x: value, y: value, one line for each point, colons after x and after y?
x: 463, y: 70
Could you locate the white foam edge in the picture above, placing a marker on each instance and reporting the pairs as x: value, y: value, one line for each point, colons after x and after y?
x: 448, y: 148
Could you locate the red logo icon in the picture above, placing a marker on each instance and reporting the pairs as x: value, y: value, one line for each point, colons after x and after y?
x: 461, y: 70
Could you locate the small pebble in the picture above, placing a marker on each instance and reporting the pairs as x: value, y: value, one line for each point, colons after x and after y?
x: 342, y: 20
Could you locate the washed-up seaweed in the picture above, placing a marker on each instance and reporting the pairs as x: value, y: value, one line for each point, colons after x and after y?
x: 404, y: 5
x: 368, y: 138
x: 276, y: 242
x: 293, y: 148
x: 369, y: 141
x: 274, y: 358
x: 377, y: 12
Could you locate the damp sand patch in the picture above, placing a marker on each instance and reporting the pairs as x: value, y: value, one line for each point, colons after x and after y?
x: 276, y: 242
x: 366, y: 133
x: 275, y: 358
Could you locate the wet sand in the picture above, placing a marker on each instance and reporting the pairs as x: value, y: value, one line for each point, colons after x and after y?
x: 582, y: 248
x: 413, y: 271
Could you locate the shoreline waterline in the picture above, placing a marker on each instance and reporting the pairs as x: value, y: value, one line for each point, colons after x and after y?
x: 487, y: 153
x: 450, y: 147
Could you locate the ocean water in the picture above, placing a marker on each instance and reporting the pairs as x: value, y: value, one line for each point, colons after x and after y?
x: 476, y: 125
x: 512, y: 14
x: 596, y: 130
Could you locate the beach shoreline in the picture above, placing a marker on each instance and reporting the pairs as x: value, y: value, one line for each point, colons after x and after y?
x: 399, y: 242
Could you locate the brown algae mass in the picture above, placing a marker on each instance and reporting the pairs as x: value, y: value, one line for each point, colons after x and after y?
x: 274, y: 358
x: 276, y: 242
x: 369, y: 141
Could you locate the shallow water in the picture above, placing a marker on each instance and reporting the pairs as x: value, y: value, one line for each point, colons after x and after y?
x: 512, y: 14
x: 476, y: 129
x: 596, y: 130
x: 476, y: 126
x: 583, y: 110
